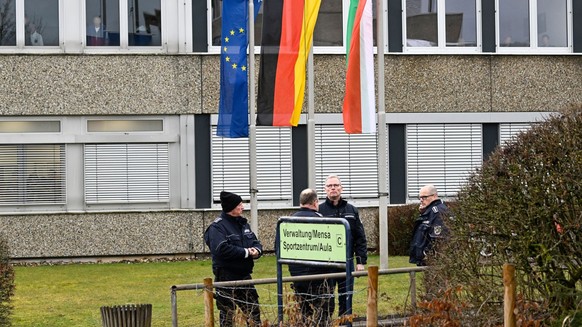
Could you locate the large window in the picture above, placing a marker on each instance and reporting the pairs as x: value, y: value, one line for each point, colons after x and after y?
x: 126, y: 173
x: 533, y: 24
x: 445, y: 23
x: 231, y: 172
x: 328, y: 29
x: 351, y: 157
x: 32, y: 174
x: 443, y: 155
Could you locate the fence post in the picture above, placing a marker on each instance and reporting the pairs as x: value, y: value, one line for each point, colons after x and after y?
x: 174, y: 301
x: 509, y: 295
x: 208, y: 303
x: 372, y: 310
x: 413, y: 290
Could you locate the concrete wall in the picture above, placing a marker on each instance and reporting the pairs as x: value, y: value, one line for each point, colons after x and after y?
x: 131, y: 234
x: 158, y: 84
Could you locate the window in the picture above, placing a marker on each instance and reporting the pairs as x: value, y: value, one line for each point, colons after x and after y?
x: 144, y: 22
x: 127, y: 173
x: 7, y: 23
x: 41, y: 23
x: 537, y: 23
x: 351, y: 157
x: 328, y: 29
x: 443, y: 155
x: 508, y: 131
x: 102, y: 19
x: 32, y: 174
x: 445, y: 23
x: 230, y: 165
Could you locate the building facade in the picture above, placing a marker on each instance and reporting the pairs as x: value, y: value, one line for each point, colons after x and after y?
x: 107, y: 119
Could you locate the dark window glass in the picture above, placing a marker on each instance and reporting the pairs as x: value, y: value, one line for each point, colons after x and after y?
x: 514, y: 23
x: 421, y: 23
x: 145, y: 22
x: 102, y: 18
x: 41, y: 23
x: 552, y: 23
x: 7, y: 23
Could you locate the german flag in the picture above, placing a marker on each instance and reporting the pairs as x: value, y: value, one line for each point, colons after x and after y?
x: 286, y: 40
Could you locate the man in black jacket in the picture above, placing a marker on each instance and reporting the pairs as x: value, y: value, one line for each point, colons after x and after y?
x: 234, y: 247
x: 429, y: 226
x: 315, y: 297
x: 335, y: 206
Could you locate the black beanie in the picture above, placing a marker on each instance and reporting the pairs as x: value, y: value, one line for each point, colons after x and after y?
x: 229, y: 201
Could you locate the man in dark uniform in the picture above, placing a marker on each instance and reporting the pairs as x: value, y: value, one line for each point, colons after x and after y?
x: 234, y: 247
x: 335, y: 206
x: 315, y: 297
x: 429, y: 226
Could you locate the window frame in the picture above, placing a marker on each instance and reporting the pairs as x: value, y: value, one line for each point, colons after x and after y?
x: 533, y: 48
x: 441, y: 48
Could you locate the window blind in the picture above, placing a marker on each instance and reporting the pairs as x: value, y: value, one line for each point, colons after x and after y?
x: 230, y: 165
x: 443, y: 155
x: 507, y: 131
x: 126, y: 173
x: 352, y: 157
x: 32, y: 174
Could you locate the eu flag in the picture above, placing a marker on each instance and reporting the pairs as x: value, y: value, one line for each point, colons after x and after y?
x: 233, y: 118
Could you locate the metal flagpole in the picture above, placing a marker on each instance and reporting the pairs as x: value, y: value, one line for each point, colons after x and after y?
x: 252, y: 128
x: 310, y: 122
x: 382, y: 140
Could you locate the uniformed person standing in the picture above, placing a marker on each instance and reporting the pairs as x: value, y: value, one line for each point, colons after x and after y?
x: 234, y: 247
x: 429, y: 226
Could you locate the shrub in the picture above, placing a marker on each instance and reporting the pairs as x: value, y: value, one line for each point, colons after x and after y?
x: 400, y: 224
x: 6, y: 284
x: 524, y: 206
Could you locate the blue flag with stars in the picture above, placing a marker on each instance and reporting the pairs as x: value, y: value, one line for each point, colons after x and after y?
x: 233, y: 120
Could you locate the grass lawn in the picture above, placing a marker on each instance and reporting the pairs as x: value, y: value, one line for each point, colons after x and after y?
x: 71, y: 295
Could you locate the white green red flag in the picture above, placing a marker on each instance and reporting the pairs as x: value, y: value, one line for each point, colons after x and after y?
x: 359, y: 109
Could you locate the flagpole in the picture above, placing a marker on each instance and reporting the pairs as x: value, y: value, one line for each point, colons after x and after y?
x: 252, y: 128
x: 310, y: 122
x: 382, y: 140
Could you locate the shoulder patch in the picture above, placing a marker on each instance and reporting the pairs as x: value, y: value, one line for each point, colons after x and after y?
x: 435, y: 209
x: 217, y: 220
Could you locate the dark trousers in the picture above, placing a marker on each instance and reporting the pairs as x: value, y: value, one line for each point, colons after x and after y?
x: 316, y: 302
x: 229, y: 298
x: 342, y: 296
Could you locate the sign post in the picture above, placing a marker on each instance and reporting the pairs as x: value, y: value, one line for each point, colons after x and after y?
x: 316, y: 242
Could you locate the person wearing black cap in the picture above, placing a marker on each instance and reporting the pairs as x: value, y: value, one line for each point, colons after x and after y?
x: 234, y: 247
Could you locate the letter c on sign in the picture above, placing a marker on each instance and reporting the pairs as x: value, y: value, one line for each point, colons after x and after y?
x: 340, y: 240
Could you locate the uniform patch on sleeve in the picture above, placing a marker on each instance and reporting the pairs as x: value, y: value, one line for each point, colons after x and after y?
x: 217, y: 220
x: 435, y: 209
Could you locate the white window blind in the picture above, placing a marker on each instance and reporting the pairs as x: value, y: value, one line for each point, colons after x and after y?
x: 32, y: 174
x: 126, y: 173
x: 508, y: 131
x: 352, y: 157
x: 443, y: 155
x: 230, y: 165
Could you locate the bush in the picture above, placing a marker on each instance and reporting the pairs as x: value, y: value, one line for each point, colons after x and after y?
x: 400, y: 224
x: 6, y: 284
x: 524, y: 206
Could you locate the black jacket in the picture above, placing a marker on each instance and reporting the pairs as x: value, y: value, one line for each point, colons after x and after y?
x: 228, y: 237
x: 427, y: 228
x: 350, y: 213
